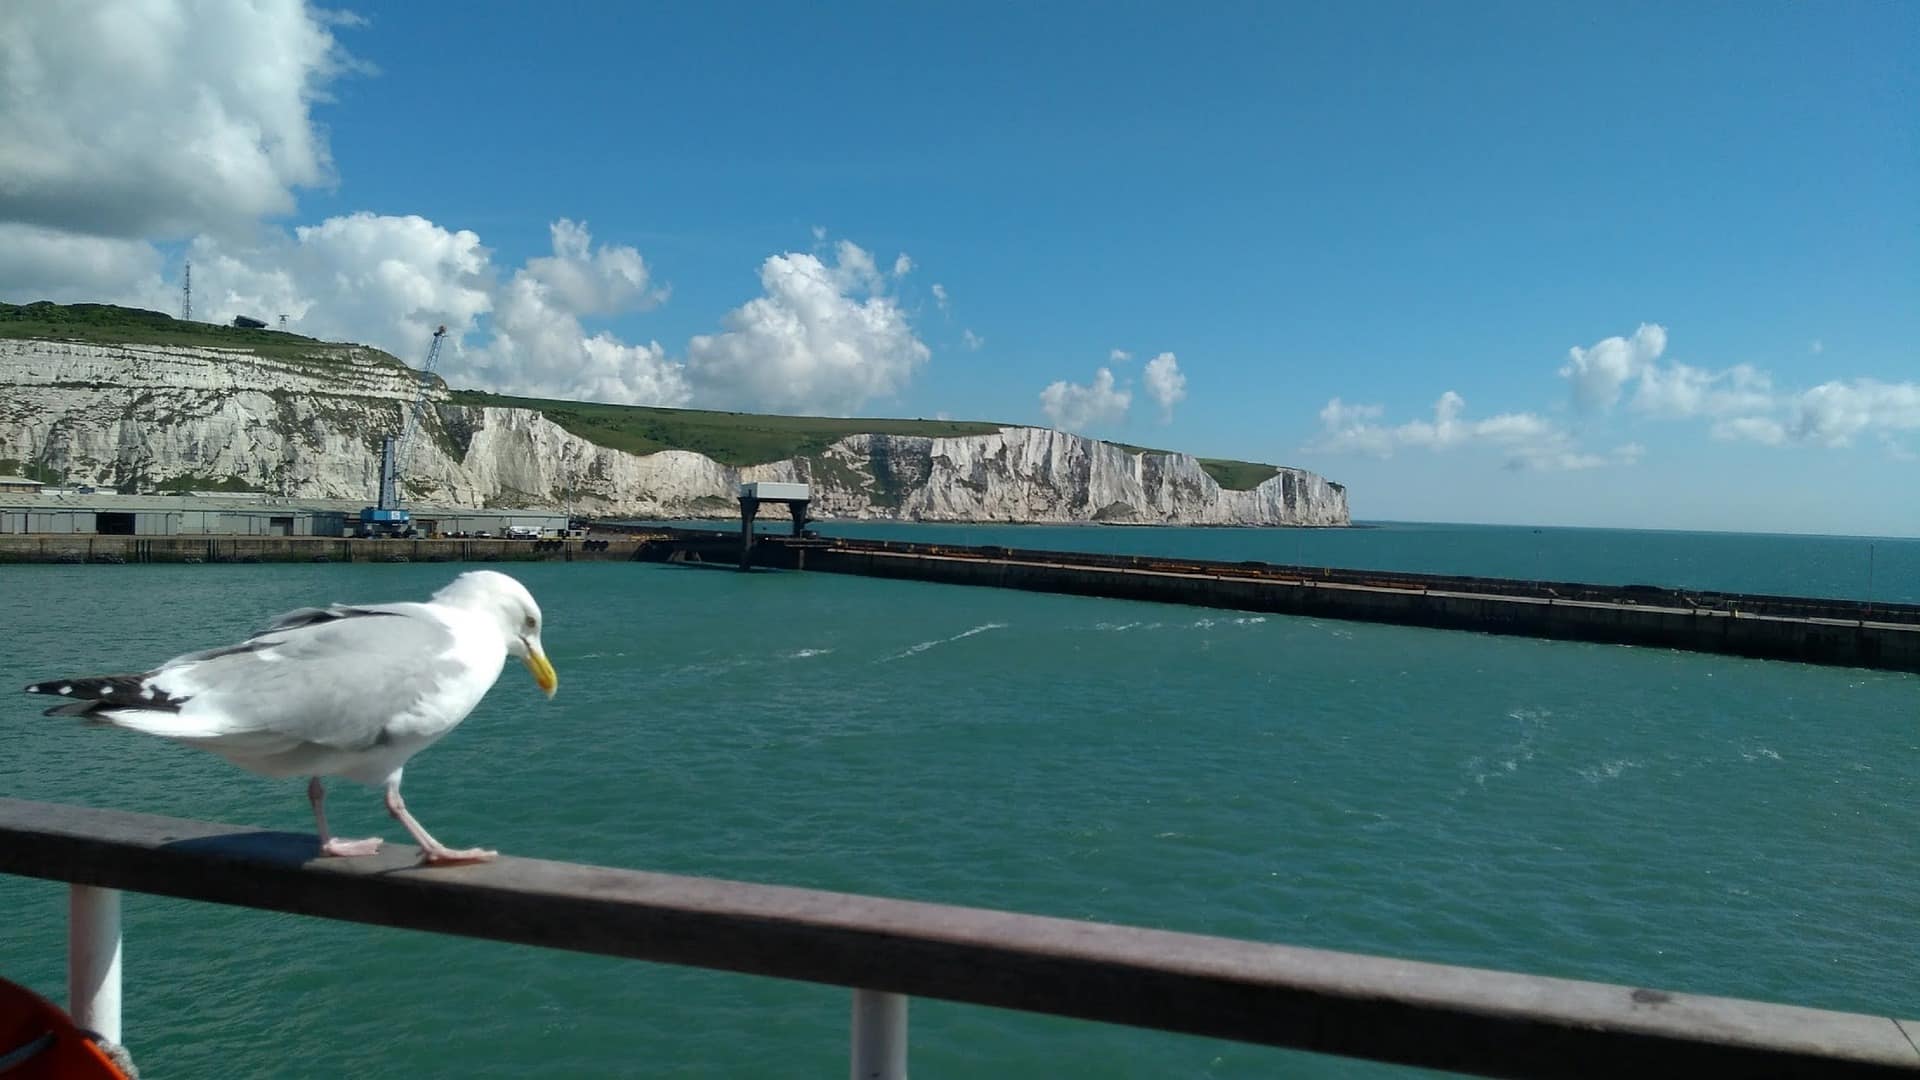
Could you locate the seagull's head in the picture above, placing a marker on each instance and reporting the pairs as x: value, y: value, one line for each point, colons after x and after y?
x: 493, y: 593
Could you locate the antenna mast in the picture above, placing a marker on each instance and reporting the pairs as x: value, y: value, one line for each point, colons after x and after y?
x: 186, y: 296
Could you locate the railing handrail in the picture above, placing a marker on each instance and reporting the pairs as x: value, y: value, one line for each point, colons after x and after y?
x: 1406, y: 1012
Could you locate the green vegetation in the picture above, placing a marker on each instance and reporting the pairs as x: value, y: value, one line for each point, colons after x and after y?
x: 734, y: 438
x: 730, y: 438
x: 108, y: 324
x: 1238, y: 475
x: 190, y: 482
x: 1229, y: 474
x: 31, y: 471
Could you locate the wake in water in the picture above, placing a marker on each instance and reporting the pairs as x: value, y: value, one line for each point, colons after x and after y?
x: 804, y: 654
x: 1507, y: 759
x: 1198, y: 624
x: 1610, y: 770
x: 925, y: 645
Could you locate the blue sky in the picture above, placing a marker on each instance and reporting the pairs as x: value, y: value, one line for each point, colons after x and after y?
x: 1380, y: 204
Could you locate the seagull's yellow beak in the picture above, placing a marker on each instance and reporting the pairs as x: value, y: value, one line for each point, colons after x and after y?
x: 542, y: 668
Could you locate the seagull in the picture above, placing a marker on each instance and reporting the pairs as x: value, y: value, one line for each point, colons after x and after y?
x: 345, y: 690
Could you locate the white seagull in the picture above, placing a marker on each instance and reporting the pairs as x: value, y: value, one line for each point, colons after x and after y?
x: 347, y: 690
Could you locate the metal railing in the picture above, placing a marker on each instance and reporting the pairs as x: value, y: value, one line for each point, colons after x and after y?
x: 1405, y: 1012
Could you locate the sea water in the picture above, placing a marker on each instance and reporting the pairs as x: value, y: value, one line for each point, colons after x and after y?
x: 1692, y: 822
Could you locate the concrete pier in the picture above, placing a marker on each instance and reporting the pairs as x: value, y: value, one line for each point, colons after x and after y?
x: 1821, y: 631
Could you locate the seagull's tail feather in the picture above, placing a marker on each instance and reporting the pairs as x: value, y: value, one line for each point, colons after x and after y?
x: 132, y: 702
x: 95, y: 695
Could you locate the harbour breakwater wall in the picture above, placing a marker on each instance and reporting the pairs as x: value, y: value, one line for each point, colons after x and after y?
x: 1821, y: 631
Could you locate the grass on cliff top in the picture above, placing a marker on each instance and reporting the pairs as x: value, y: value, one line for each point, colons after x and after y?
x: 733, y: 438
x: 1229, y: 474
x: 108, y: 324
x: 1238, y: 475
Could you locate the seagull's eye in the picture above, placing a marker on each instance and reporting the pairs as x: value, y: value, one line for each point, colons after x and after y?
x: 528, y: 624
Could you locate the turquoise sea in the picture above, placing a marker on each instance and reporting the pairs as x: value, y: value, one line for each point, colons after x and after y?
x: 1691, y: 822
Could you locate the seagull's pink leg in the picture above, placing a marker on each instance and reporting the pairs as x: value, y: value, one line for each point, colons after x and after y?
x: 329, y: 843
x: 431, y: 850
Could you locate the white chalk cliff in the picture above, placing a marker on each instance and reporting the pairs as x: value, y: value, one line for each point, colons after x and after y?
x: 140, y: 417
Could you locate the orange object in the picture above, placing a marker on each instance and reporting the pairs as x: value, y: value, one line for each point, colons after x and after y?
x: 39, y: 1042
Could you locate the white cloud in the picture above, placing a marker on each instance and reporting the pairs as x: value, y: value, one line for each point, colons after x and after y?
x: 1681, y: 391
x: 1816, y: 347
x: 940, y: 295
x: 1600, y: 374
x: 1526, y: 441
x: 593, y: 282
x: 855, y: 269
x: 1119, y: 356
x: 388, y: 281
x: 1760, y: 429
x: 1337, y: 414
x: 1352, y: 429
x: 1448, y: 429
x: 819, y: 232
x: 1071, y: 406
x: 1741, y: 398
x: 1833, y: 413
x: 38, y: 263
x: 822, y: 338
x: 1741, y: 401
x: 155, y: 119
x: 1600, y: 371
x: 1550, y: 458
x: 971, y: 341
x: 1166, y: 385
x: 902, y: 265
x: 539, y: 346
x: 383, y: 280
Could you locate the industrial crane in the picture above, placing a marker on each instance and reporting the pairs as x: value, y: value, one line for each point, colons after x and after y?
x: 389, y: 518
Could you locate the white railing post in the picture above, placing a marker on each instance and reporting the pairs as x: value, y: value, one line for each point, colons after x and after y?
x: 93, y: 960
x: 879, y: 1036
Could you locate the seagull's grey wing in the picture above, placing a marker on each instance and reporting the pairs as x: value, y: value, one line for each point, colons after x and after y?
x: 293, y: 620
x: 334, y: 682
x: 307, y: 616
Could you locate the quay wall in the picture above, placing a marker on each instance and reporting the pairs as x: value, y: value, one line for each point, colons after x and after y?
x: 263, y: 549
